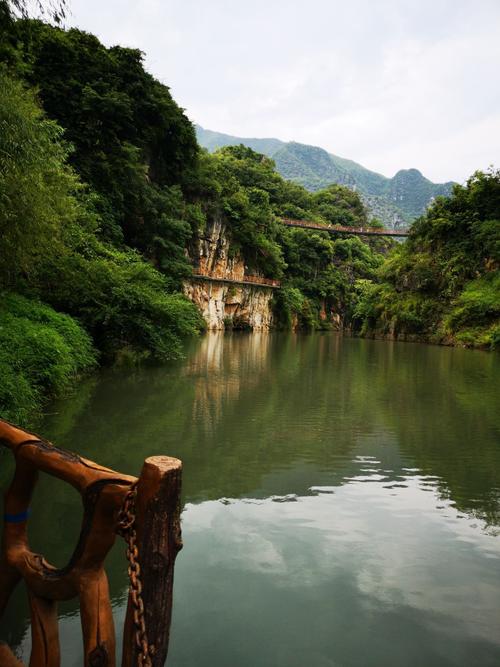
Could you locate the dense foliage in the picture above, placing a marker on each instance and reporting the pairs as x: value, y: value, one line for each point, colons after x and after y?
x: 104, y: 193
x: 318, y: 273
x: 396, y: 201
x: 131, y: 142
x: 52, y: 249
x: 37, y: 189
x: 41, y: 352
x: 326, y: 272
x: 443, y: 284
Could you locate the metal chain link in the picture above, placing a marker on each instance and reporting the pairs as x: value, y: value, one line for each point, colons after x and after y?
x: 126, y: 528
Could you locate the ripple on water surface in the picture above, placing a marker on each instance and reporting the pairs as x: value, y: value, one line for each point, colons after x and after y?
x: 341, y: 500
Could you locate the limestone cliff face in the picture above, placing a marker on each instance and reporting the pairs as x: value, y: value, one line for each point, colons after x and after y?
x: 226, y: 304
x: 212, y: 254
x: 236, y: 306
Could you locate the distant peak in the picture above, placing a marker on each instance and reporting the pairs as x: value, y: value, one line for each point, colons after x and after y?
x: 395, y: 200
x: 409, y: 172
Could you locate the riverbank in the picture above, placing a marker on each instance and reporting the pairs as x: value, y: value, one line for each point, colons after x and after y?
x: 443, y: 284
x: 446, y: 341
x: 106, y: 239
x: 97, y: 246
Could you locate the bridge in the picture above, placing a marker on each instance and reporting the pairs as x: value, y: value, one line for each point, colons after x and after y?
x: 339, y: 229
x: 259, y: 281
x: 246, y: 280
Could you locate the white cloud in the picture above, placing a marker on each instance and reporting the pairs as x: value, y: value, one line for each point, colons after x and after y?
x: 390, y: 84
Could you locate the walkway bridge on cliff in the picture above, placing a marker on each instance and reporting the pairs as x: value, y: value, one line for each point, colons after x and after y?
x: 259, y: 281
x: 245, y: 280
x: 339, y: 229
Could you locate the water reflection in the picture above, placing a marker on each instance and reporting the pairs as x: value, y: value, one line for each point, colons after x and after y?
x: 341, y: 499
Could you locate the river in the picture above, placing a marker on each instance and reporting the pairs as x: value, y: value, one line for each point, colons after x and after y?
x: 340, y: 500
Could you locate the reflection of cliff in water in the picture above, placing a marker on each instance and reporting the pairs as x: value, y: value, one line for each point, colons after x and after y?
x: 275, y: 414
x: 245, y: 406
x: 217, y: 368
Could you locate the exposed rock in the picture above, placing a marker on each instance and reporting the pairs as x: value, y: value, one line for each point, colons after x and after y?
x: 213, y: 256
x: 226, y: 305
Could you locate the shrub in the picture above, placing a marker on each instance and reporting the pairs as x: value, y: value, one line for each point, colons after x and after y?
x: 122, y: 301
x: 287, y: 302
x: 479, y: 303
x: 444, y: 282
x: 41, y: 353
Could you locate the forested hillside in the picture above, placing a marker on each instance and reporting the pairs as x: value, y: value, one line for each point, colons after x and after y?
x: 86, y: 197
x: 318, y: 272
x: 395, y: 201
x: 443, y: 284
x: 104, y: 192
x: 53, y: 251
x: 103, y: 189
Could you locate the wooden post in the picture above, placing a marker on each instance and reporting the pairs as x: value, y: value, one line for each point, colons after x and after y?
x: 151, y: 506
x: 45, y: 651
x: 159, y: 541
x: 7, y: 658
x: 96, y: 615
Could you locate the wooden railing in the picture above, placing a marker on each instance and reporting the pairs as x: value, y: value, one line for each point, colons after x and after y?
x: 258, y: 280
x: 253, y: 280
x: 145, y: 511
x: 339, y: 229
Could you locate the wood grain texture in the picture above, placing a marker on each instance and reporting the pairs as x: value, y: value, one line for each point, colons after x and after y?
x: 159, y: 540
x: 45, y: 651
x: 103, y: 492
x: 7, y: 658
x: 97, y: 620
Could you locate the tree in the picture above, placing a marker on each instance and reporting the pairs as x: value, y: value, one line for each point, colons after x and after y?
x: 36, y: 185
x: 443, y: 283
x: 132, y: 143
x: 55, y: 10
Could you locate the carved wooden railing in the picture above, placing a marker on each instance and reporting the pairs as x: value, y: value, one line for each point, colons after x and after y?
x: 146, y: 511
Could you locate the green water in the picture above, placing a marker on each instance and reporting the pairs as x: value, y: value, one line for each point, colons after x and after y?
x: 341, y: 500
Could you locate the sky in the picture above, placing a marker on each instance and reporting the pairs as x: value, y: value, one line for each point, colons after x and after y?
x: 391, y: 84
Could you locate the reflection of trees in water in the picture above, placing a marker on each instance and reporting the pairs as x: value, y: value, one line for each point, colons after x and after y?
x: 444, y: 410
x: 228, y: 354
x: 245, y: 411
x: 242, y: 406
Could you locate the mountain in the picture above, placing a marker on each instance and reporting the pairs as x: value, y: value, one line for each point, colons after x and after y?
x: 395, y: 201
x: 214, y: 140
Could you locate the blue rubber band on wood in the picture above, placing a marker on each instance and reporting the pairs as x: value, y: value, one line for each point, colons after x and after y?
x: 16, y: 518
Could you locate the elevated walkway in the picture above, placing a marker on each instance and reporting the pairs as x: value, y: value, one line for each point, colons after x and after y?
x: 338, y: 229
x: 254, y: 281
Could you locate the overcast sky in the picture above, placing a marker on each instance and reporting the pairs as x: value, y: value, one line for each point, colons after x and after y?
x: 389, y: 83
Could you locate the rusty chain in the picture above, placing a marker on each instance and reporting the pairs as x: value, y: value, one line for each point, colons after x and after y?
x: 126, y: 528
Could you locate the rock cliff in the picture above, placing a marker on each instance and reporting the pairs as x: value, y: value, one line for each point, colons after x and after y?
x: 219, y: 285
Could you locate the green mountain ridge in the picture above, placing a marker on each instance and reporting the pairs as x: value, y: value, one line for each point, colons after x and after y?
x: 395, y: 201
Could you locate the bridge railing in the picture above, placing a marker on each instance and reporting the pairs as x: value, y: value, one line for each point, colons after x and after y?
x: 258, y: 280
x: 145, y: 511
x: 342, y: 229
x: 255, y: 280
